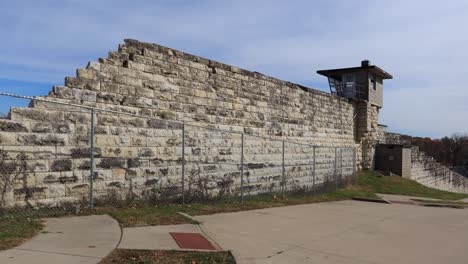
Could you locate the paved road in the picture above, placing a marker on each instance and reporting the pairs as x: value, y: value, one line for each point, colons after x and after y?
x: 71, y: 240
x: 343, y: 232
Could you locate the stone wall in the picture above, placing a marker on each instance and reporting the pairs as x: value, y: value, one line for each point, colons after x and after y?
x: 140, y: 149
x: 429, y: 172
x: 368, y: 132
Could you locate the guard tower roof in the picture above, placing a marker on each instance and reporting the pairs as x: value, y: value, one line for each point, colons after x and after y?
x: 365, y: 66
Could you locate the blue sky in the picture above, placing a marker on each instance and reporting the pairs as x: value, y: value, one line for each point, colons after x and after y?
x: 422, y: 43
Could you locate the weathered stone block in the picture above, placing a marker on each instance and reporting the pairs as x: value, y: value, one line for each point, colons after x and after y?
x: 108, y: 163
x: 9, y: 126
x: 85, y: 73
x: 7, y: 138
x: 36, y: 115
x: 77, y: 189
x: 82, y: 83
x: 61, y: 165
x: 44, y: 140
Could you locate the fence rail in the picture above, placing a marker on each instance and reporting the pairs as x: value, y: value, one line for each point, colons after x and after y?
x: 61, y: 156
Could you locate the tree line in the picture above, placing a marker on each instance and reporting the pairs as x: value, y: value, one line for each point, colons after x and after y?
x: 450, y: 150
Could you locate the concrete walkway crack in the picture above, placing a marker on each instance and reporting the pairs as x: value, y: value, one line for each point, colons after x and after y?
x: 56, y: 253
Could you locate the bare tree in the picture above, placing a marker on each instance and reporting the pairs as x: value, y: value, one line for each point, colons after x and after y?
x: 455, y: 144
x: 10, y: 171
x: 450, y: 150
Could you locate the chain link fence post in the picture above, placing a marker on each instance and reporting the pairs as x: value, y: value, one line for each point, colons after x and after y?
x: 242, y: 168
x: 341, y: 167
x: 336, y: 171
x: 91, y: 170
x: 283, y: 180
x: 183, y: 163
x: 313, y: 169
x: 354, y: 165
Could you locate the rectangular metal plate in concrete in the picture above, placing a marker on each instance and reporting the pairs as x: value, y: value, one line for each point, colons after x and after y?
x: 192, y: 241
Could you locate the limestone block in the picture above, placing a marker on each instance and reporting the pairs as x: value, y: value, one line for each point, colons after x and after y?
x: 114, y: 162
x: 106, y: 119
x: 85, y: 95
x: 145, y: 92
x: 62, y: 92
x: 141, y: 59
x: 61, y: 165
x: 132, y: 121
x: 119, y: 174
x: 77, y: 189
x: 127, y: 71
x: 82, y: 83
x: 152, y: 54
x: 131, y: 81
x: 124, y: 152
x: 7, y: 138
x: 137, y: 101
x: 42, y: 139
x: 167, y: 115
x: 29, y: 193
x: 94, y: 65
x: 37, y: 165
x: 79, y: 118
x: 36, y: 115
x: 41, y: 127
x: 85, y: 73
x: 55, y: 191
x: 106, y: 140
x: 109, y: 87
x: 99, y: 175
x: 137, y: 141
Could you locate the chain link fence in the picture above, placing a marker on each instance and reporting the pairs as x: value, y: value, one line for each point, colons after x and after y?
x: 59, y: 157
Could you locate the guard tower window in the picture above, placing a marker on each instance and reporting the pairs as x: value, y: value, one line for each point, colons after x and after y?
x: 373, y: 83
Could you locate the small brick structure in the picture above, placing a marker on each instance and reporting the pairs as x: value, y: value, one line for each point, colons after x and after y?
x: 393, y: 158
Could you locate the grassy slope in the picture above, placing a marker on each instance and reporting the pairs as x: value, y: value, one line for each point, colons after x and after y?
x: 14, y: 231
x: 168, y: 214
x: 397, y: 185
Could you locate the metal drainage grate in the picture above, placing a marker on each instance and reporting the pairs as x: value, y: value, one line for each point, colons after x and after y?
x: 192, y: 241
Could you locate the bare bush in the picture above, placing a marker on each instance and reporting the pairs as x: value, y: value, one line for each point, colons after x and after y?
x: 11, y: 170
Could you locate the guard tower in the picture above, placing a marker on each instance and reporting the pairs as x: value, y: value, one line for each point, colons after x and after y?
x: 358, y: 83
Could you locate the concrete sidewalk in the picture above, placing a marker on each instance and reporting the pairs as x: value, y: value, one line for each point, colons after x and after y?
x: 402, y: 198
x: 343, y: 232
x: 71, y: 240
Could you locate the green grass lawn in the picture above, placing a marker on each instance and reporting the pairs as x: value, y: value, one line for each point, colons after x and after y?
x: 14, y: 231
x: 169, y: 214
x: 128, y: 256
x: 378, y: 183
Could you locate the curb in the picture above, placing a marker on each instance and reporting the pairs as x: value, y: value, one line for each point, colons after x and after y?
x: 189, y: 217
x: 372, y: 200
x: 443, y: 205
